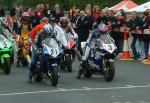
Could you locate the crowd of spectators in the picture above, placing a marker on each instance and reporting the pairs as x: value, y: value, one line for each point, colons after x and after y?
x: 85, y: 20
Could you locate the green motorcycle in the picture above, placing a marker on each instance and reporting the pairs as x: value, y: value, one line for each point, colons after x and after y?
x: 6, y: 53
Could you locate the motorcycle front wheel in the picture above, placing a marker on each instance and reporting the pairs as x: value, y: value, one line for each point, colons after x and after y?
x: 54, y: 76
x: 7, y: 66
x: 69, y: 67
x: 24, y: 61
x: 109, y: 71
x: 37, y: 78
x: 12, y: 58
x: 86, y: 72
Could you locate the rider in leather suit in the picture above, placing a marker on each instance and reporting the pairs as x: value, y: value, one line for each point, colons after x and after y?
x: 91, y: 43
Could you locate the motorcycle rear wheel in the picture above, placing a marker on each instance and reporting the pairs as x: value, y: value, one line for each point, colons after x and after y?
x: 87, y: 73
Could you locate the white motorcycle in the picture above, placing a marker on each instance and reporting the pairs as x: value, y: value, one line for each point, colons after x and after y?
x: 101, y: 58
x: 50, y: 54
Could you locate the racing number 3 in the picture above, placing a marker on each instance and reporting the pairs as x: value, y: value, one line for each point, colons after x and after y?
x: 109, y: 47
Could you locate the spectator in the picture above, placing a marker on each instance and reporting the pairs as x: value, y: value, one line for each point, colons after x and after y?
x: 146, y: 24
x: 82, y: 25
x: 88, y: 8
x: 119, y: 21
x: 13, y: 11
x: 90, y: 19
x: 102, y: 17
x: 47, y: 11
x: 137, y: 44
x: 146, y: 19
x: 73, y: 13
x: 74, y: 25
x: 2, y: 12
x: 96, y: 12
x: 57, y: 13
x: 40, y: 10
x: 34, y: 19
x: 15, y: 24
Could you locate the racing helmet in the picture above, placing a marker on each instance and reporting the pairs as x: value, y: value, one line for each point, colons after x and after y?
x: 25, y: 16
x: 102, y: 27
x: 48, y: 28
x: 53, y: 19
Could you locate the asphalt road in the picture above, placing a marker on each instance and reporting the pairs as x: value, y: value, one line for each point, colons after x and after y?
x: 130, y: 85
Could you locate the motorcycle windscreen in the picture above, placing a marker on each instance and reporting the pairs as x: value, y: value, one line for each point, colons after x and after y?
x: 2, y: 38
x: 107, y: 44
x: 50, y: 47
x: 4, y: 44
x: 69, y: 36
x: 70, y: 40
x: 71, y: 43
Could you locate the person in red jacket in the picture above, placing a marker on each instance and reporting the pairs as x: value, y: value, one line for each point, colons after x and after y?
x: 96, y: 12
x: 37, y: 28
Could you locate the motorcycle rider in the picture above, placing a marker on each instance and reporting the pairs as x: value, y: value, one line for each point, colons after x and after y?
x: 91, y: 43
x: 49, y: 29
x: 33, y: 34
x: 65, y: 24
x: 67, y: 27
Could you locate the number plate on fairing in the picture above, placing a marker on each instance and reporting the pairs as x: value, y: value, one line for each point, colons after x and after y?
x: 4, y: 44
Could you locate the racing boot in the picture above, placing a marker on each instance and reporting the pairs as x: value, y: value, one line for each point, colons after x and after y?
x: 18, y: 62
x: 18, y: 58
x: 30, y: 77
x: 82, y: 66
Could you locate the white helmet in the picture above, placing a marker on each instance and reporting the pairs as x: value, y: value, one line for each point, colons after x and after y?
x: 48, y: 28
x: 102, y: 27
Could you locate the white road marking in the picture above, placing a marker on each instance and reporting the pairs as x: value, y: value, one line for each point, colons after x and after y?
x: 71, y: 90
x: 129, y: 85
x: 82, y: 94
x: 86, y: 88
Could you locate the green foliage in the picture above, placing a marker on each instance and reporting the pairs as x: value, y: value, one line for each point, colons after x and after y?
x: 65, y: 4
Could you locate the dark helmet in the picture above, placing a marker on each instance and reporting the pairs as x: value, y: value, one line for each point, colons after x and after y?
x: 52, y: 19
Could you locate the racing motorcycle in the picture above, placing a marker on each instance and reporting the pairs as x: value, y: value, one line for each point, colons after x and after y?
x: 101, y: 58
x: 6, y: 53
x: 24, y: 53
x: 51, y: 54
x: 68, y: 54
x: 7, y: 32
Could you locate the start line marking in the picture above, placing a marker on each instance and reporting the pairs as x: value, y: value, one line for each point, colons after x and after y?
x: 71, y: 90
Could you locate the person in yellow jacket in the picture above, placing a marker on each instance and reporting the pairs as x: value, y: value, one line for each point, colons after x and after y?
x: 24, y: 31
